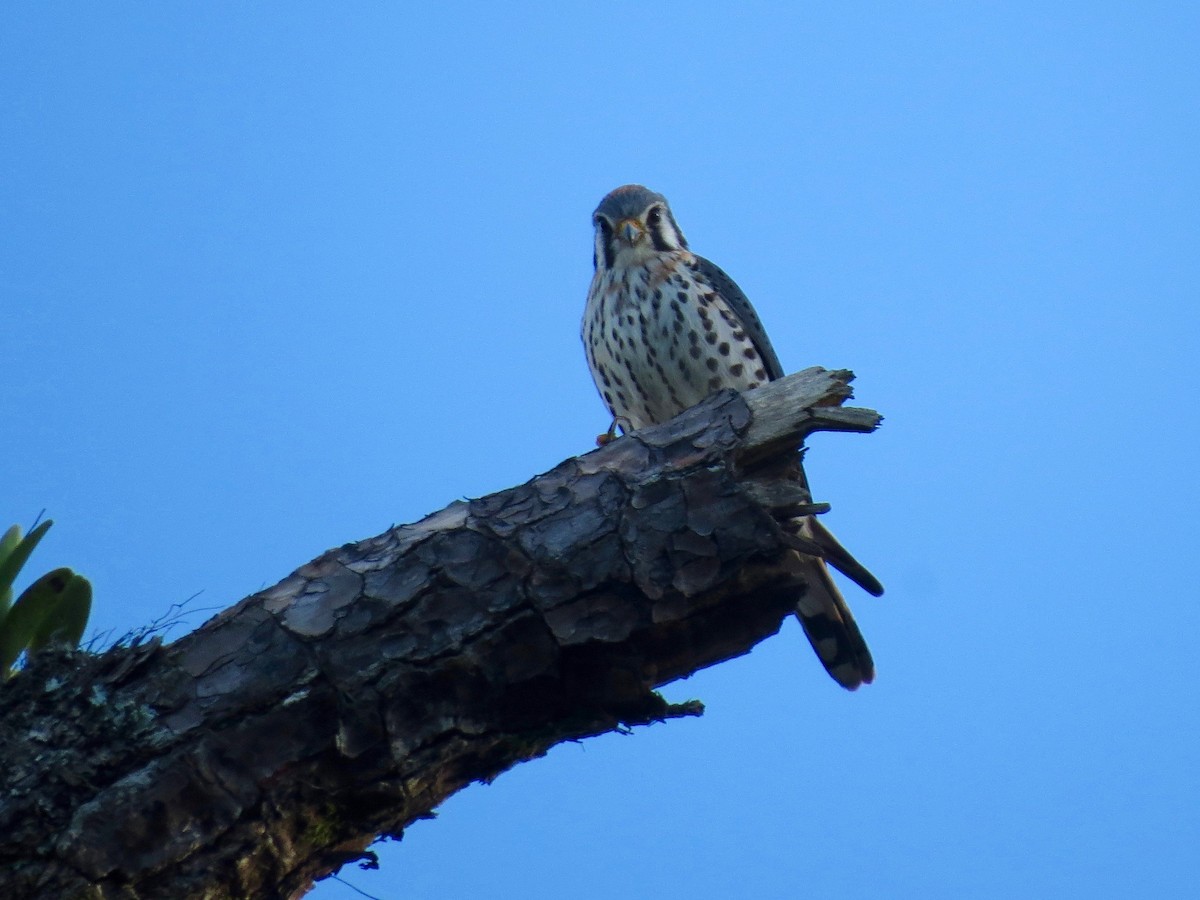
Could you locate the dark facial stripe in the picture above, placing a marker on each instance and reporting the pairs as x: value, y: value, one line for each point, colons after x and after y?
x: 656, y: 222
x: 605, y: 237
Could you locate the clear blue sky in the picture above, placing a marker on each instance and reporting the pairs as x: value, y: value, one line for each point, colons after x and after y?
x: 274, y: 278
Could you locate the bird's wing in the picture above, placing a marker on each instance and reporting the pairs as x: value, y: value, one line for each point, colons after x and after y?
x: 841, y: 559
x: 832, y: 550
x: 739, y: 304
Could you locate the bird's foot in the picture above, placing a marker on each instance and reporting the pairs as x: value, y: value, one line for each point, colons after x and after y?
x: 611, y: 435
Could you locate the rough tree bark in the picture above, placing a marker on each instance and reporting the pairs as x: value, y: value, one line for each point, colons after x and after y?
x: 280, y: 739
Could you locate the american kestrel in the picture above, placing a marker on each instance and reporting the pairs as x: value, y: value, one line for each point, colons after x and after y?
x: 664, y: 328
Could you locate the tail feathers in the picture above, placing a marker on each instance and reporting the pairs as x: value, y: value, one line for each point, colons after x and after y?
x: 831, y: 629
x: 822, y: 610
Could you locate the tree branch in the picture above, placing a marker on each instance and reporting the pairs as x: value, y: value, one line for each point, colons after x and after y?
x: 279, y: 740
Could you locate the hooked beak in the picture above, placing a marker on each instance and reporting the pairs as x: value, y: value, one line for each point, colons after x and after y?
x: 630, y: 230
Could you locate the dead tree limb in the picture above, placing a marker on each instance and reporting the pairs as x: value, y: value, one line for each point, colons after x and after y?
x: 280, y: 739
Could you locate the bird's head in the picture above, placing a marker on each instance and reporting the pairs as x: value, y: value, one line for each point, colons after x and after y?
x: 633, y: 223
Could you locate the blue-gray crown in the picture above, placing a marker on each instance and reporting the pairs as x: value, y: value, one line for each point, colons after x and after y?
x: 627, y: 202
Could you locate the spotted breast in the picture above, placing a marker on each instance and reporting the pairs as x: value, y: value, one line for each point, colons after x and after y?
x: 660, y: 337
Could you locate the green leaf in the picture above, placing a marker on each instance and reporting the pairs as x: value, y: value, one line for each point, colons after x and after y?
x: 11, y: 538
x: 8, y: 543
x: 26, y: 616
x: 16, y: 558
x: 68, y: 616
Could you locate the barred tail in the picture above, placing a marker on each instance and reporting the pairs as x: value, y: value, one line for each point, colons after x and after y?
x: 823, y: 612
x: 831, y: 629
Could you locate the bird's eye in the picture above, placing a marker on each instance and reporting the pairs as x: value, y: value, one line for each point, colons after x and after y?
x: 602, y: 224
x: 655, y: 216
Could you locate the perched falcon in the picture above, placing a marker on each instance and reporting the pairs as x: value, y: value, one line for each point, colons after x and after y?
x: 663, y: 329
